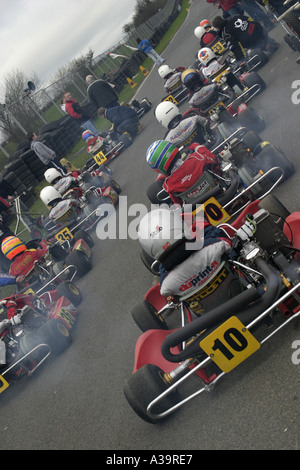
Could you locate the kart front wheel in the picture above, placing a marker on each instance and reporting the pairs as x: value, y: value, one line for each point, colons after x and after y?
x: 146, y: 384
x: 270, y: 157
x: 252, y: 120
x: 85, y: 237
x: 147, y: 318
x: 70, y: 291
x: 81, y: 262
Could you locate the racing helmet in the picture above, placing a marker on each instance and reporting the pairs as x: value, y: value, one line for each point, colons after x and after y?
x: 205, y: 24
x: 167, y: 114
x: 205, y: 55
x: 12, y: 246
x: 191, y: 79
x: 87, y: 136
x: 49, y: 195
x: 161, y: 231
x: 161, y: 155
x: 164, y: 71
x: 199, y: 32
x: 52, y: 175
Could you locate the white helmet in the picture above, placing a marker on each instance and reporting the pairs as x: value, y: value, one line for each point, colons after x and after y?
x: 165, y: 112
x: 52, y: 174
x: 49, y: 194
x: 160, y: 231
x: 205, y: 55
x: 199, y: 32
x: 164, y: 70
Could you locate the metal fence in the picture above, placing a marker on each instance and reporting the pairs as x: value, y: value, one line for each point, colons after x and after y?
x: 43, y: 106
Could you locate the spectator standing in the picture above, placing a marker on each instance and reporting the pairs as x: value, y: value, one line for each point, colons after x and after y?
x: 229, y: 7
x: 145, y: 46
x: 44, y: 153
x: 78, y: 113
x: 257, y: 14
x: 101, y: 93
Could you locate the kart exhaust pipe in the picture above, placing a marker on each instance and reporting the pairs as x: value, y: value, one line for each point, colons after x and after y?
x: 210, y: 320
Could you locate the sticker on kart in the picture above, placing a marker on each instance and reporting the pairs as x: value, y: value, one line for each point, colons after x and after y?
x: 100, y: 158
x: 171, y: 99
x: 63, y: 235
x: 213, y: 211
x: 3, y: 384
x: 218, y: 48
x: 230, y: 344
x: 66, y: 317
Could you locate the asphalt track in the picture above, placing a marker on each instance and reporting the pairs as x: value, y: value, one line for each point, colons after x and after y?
x: 76, y: 401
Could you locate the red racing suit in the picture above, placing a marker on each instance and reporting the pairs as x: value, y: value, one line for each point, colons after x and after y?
x: 189, y: 171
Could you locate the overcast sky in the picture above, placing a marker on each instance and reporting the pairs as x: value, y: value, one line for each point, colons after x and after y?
x: 42, y: 35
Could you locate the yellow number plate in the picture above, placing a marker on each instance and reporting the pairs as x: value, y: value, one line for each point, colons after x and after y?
x: 3, y: 384
x: 67, y: 317
x: 171, y: 98
x: 64, y: 234
x: 213, y: 211
x: 230, y: 344
x: 218, y: 48
x: 100, y: 158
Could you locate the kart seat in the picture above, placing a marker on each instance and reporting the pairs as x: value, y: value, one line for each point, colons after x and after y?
x: 204, y: 96
x: 291, y: 230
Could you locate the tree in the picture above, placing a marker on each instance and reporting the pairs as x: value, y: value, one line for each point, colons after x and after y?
x: 18, y: 106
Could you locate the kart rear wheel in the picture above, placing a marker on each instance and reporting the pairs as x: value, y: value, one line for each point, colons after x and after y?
x: 70, y: 291
x: 115, y: 186
x: 80, y: 260
x: 146, y: 317
x: 277, y: 210
x: 271, y: 156
x: 252, y: 140
x: 254, y: 79
x: 85, y: 237
x: 153, y: 191
x: 144, y: 386
x: 292, y: 42
x: 250, y: 119
x: 148, y: 262
x: 52, y: 333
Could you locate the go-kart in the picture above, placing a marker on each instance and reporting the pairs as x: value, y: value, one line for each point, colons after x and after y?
x: 222, y: 332
x: 176, y: 92
x: 44, y: 326
x: 288, y: 17
x: 241, y: 160
x: 55, y: 259
x: 104, y: 148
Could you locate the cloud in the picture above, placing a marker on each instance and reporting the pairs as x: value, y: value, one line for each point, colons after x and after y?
x: 42, y: 36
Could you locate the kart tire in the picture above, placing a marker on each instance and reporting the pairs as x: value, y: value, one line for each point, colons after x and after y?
x: 250, y: 119
x: 146, y: 318
x: 80, y: 260
x: 70, y: 291
x: 271, y: 156
x: 277, y: 210
x: 252, y: 140
x: 254, y: 79
x: 85, y: 236
x: 52, y: 333
x: 262, y: 58
x: 116, y: 186
x: 143, y: 387
x: 57, y: 252
x: 148, y: 261
x: 153, y: 191
x: 292, y: 42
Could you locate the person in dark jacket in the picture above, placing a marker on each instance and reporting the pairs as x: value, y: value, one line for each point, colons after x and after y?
x: 241, y: 34
x: 101, y: 93
x: 124, y: 119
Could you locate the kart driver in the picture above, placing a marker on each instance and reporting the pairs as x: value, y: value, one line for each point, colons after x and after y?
x: 206, y: 34
x: 21, y: 258
x: 183, y: 266
x: 181, y: 131
x: 166, y: 72
x: 165, y: 158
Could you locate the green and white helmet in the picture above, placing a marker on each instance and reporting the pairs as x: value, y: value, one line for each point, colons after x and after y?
x: 161, y: 155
